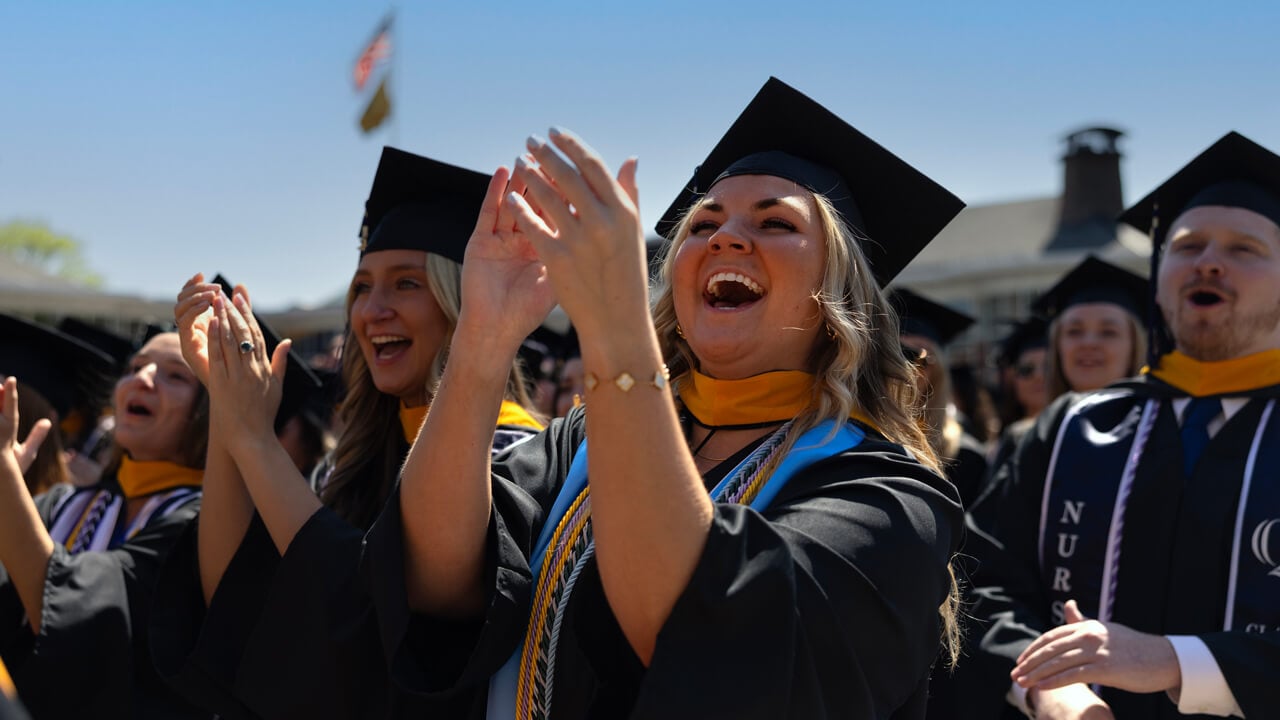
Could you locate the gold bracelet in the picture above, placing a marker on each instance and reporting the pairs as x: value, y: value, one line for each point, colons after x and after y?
x: 625, y: 381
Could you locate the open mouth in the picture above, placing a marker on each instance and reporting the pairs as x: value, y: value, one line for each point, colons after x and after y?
x: 137, y: 410
x: 1205, y: 298
x: 386, y: 347
x: 728, y: 291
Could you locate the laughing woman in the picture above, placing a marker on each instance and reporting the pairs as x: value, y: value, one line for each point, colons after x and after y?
x: 763, y: 534
x: 287, y: 631
x: 82, y: 563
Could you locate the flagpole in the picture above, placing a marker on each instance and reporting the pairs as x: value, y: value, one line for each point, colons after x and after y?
x: 393, y: 90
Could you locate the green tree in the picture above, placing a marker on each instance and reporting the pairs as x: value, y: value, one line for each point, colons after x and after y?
x: 37, y: 245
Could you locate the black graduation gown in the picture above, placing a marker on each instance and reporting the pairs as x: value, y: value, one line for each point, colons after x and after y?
x: 10, y: 708
x: 289, y: 636
x: 824, y: 606
x: 90, y: 658
x: 1176, y: 546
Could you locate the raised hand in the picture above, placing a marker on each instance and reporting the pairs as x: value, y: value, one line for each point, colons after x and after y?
x: 24, y: 452
x: 1089, y: 651
x: 585, y: 226
x: 505, y: 291
x: 192, y: 314
x: 245, y: 385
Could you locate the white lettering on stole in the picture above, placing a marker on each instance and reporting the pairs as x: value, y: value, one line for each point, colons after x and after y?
x: 1256, y: 628
x: 1067, y: 545
x: 1061, y: 580
x: 1071, y: 511
x: 1059, y: 612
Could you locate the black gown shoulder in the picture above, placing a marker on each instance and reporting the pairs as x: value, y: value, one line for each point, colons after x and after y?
x: 808, y: 599
x: 90, y: 658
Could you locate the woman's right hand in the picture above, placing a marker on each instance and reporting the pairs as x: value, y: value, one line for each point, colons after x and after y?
x: 192, y: 314
x: 505, y: 290
x: 244, y: 387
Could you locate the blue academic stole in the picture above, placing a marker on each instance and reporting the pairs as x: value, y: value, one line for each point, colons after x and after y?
x: 809, y: 448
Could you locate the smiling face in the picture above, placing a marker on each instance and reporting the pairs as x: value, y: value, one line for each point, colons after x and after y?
x: 155, y: 401
x: 397, y: 322
x: 745, y: 277
x: 1219, y: 283
x: 1095, y: 345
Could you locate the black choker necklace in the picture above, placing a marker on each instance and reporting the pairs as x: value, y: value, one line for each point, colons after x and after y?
x: 743, y: 426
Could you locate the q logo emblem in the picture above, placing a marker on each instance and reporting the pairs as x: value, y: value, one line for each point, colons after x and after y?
x: 1262, y: 545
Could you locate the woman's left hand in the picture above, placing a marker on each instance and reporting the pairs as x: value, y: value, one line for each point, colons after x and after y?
x: 24, y: 452
x: 585, y: 226
x: 244, y: 387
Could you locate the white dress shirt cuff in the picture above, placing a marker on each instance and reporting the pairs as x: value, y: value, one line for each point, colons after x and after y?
x: 1204, y: 689
x: 1017, y: 697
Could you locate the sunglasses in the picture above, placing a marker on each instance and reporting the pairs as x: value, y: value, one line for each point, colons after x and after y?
x: 920, y: 357
x: 1026, y: 370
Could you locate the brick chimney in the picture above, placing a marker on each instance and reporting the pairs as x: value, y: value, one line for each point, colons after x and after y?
x: 1091, y: 193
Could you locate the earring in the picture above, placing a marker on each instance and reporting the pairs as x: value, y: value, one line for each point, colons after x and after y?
x: 679, y: 330
x: 831, y: 332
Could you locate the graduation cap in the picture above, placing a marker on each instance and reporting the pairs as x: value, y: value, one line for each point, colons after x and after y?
x: 68, y: 372
x: 1234, y: 172
x: 417, y: 203
x: 118, y: 347
x: 1029, y: 334
x: 1092, y: 281
x: 922, y: 316
x: 784, y: 133
x: 540, y: 350
x: 300, y: 383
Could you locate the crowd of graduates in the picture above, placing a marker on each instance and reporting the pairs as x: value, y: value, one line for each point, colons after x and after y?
x: 792, y: 506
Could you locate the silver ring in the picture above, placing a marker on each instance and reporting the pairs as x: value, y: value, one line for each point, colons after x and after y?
x: 246, y: 347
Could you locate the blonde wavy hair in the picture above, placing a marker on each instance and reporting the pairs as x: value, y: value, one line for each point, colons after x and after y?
x: 372, y: 442
x: 858, y: 361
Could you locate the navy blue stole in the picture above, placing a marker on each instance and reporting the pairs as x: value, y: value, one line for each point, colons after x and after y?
x: 1082, y: 517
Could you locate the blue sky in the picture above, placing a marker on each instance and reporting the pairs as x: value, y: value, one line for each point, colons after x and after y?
x: 176, y: 137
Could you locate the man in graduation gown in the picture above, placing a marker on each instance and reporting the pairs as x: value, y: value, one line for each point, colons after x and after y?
x: 1139, y: 574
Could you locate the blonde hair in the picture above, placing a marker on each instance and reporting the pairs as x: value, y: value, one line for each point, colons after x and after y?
x: 372, y: 441
x: 1056, y: 379
x: 858, y: 361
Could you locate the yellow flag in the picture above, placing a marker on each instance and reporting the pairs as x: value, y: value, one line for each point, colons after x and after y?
x: 379, y: 108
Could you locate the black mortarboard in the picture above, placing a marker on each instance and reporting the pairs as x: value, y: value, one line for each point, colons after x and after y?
x: 300, y: 383
x: 1235, y: 172
x: 1026, y: 335
x: 786, y: 134
x: 919, y: 315
x: 66, y: 371
x: 118, y: 347
x: 1094, y: 280
x: 417, y: 203
x: 153, y: 330
x: 539, y: 351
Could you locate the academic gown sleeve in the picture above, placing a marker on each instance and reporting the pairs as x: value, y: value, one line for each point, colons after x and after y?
x: 824, y: 606
x: 90, y: 657
x: 284, y: 636
x: 441, y: 666
x: 1250, y: 662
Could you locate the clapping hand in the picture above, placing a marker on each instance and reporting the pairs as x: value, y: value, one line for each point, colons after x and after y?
x: 585, y: 226
x: 505, y: 290
x: 24, y: 452
x: 1090, y: 651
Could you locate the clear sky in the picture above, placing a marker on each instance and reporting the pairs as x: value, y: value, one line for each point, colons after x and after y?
x: 171, y: 137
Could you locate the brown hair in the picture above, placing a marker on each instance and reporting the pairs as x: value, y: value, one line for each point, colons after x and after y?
x: 48, y: 468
